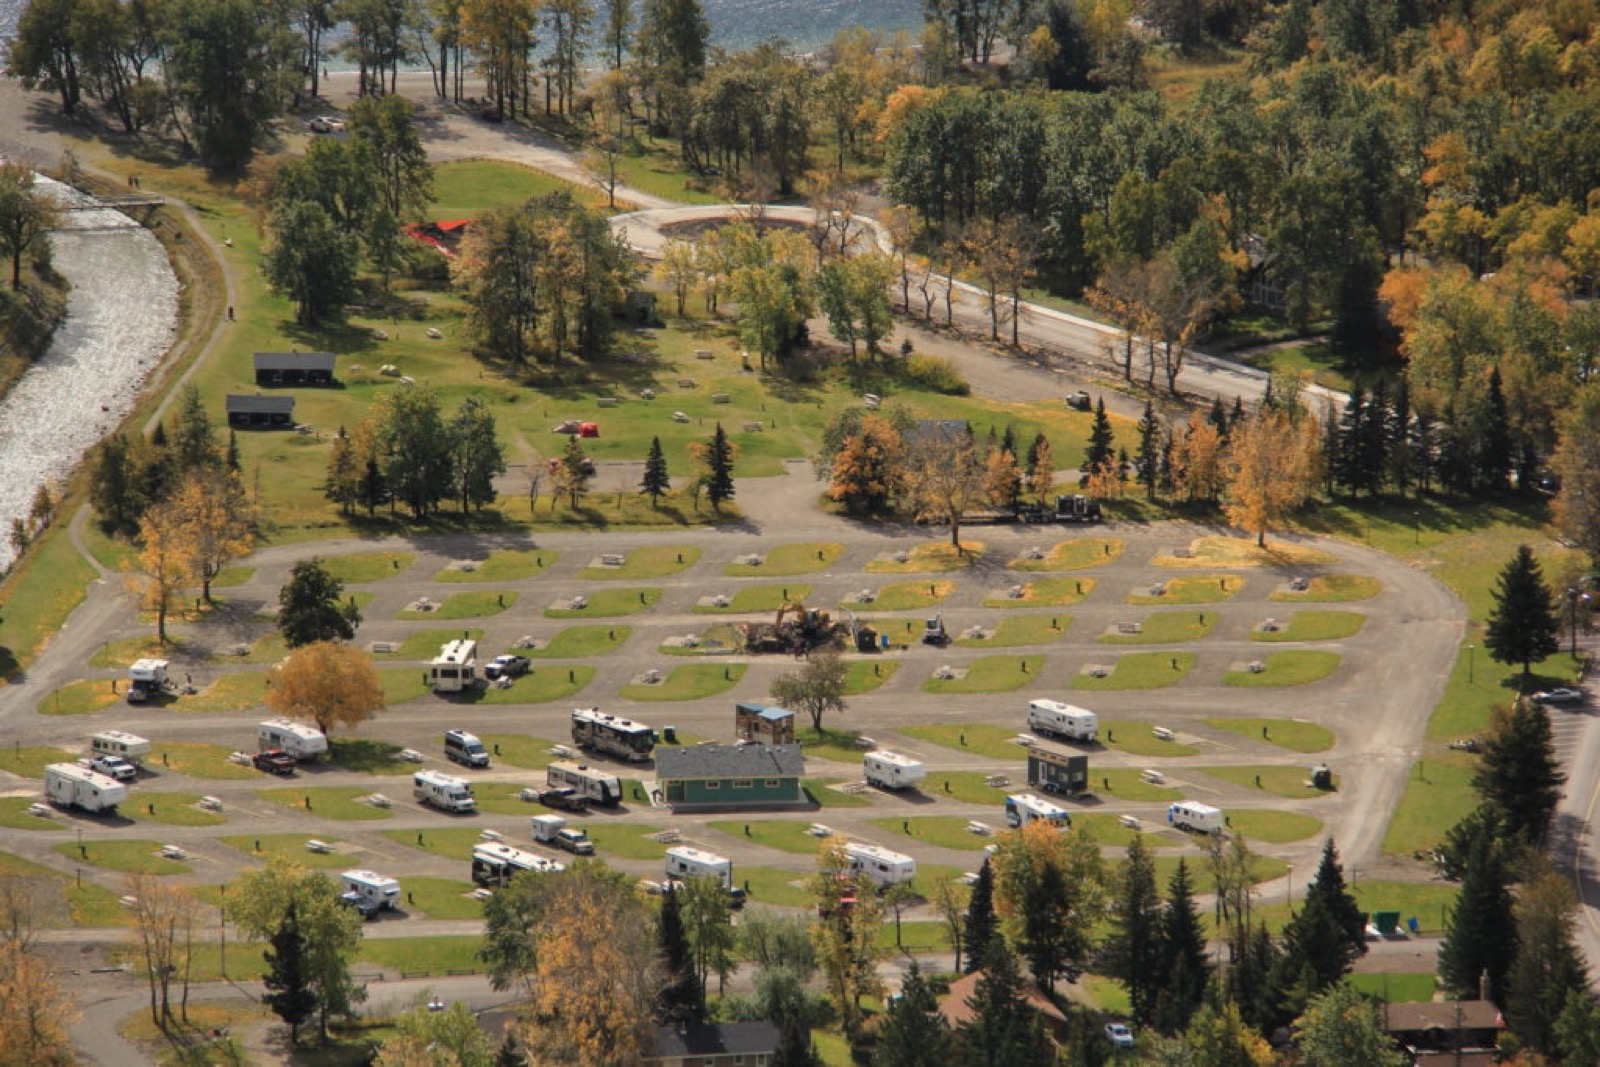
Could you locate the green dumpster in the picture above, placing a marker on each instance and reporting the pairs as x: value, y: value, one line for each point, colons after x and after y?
x: 669, y: 734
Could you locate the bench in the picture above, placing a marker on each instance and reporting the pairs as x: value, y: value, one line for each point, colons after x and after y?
x: 613, y: 559
x: 1130, y: 821
x: 722, y: 398
x: 816, y: 829
x: 997, y: 781
x: 211, y: 803
x: 1161, y: 732
x: 667, y: 837
x: 1025, y: 740
x: 378, y: 800
x: 704, y: 353
x: 982, y: 829
x: 866, y: 742
x: 753, y: 427
x: 1130, y: 627
x: 1153, y: 777
x: 686, y: 383
x: 528, y: 795
x: 384, y: 647
x: 608, y: 402
x: 490, y: 835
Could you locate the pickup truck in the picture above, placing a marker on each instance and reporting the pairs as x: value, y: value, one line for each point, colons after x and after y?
x: 274, y: 761
x: 564, y: 799
x: 112, y: 767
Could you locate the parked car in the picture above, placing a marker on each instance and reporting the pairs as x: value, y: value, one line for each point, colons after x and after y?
x: 326, y: 124
x: 367, y: 909
x: 1079, y: 401
x: 1558, y: 696
x: 506, y: 667
x: 113, y: 767
x: 564, y: 799
x: 274, y: 761
x: 1119, y: 1035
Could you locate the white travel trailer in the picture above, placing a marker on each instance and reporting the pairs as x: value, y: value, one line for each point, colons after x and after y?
x: 686, y: 862
x: 443, y: 791
x: 553, y: 830
x: 883, y: 867
x: 890, y: 770
x: 495, y: 864
x: 1023, y: 808
x: 296, y: 738
x: 1055, y: 719
x: 455, y: 667
x: 1201, y: 818
x: 377, y: 890
x: 130, y: 747
x: 71, y: 786
x: 598, y: 786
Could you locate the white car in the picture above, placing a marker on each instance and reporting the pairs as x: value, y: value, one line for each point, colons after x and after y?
x: 326, y: 124
x: 1558, y: 696
x: 1119, y: 1035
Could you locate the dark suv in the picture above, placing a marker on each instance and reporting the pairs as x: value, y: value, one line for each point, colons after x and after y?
x: 274, y: 761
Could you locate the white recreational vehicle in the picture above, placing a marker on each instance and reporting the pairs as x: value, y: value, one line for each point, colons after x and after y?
x: 553, y: 830
x: 613, y: 735
x: 465, y: 749
x: 686, y: 862
x: 1055, y: 719
x: 443, y: 791
x: 296, y: 738
x: 598, y: 786
x: 890, y: 770
x: 375, y: 889
x: 1201, y: 818
x: 1023, y: 808
x: 883, y: 867
x: 146, y: 678
x: 455, y: 667
x: 71, y: 786
x: 495, y: 864
x: 130, y: 747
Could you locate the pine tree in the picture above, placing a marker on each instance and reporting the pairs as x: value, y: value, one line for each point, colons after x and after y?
x: 194, y: 442
x: 233, y: 462
x: 1480, y: 938
x: 1184, y: 969
x: 113, y: 486
x: 288, y: 978
x: 682, y: 999
x: 1250, y: 980
x: 510, y: 1055
x: 1046, y: 938
x: 1147, y: 467
x: 719, y: 469
x: 1328, y: 887
x: 1041, y: 468
x: 1495, y: 449
x: 795, y: 1048
x: 913, y: 1032
x: 1372, y: 445
x: 1324, y: 939
x: 1134, y: 950
x: 1522, y: 624
x: 1399, y: 428
x: 1548, y: 969
x: 1352, y: 424
x: 656, y: 480
x: 1004, y: 1030
x: 981, y: 924
x: 1100, y: 454
x: 1519, y: 775
x: 343, y: 483
x: 1218, y: 417
x: 1008, y: 441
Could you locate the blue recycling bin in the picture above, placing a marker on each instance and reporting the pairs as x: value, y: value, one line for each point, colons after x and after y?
x: 884, y: 639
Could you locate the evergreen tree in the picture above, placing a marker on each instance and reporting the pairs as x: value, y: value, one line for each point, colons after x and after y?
x: 1422, y: 443
x: 1480, y: 937
x: 1008, y: 441
x: 1218, y: 418
x: 1399, y: 446
x: 682, y: 999
x: 1046, y: 937
x: 510, y: 1055
x: 719, y: 469
x: 113, y: 486
x: 1372, y: 445
x: 1004, y: 1030
x: 233, y: 462
x: 1548, y: 969
x: 1323, y: 939
x: 1184, y: 969
x: 1332, y: 451
x: 1328, y: 888
x: 1519, y: 775
x: 343, y: 483
x: 1522, y: 624
x: 656, y: 479
x: 981, y: 925
x: 476, y: 455
x: 1147, y: 467
x: 288, y: 978
x: 1349, y: 469
x: 1134, y: 951
x: 1495, y: 449
x: 1454, y: 446
x: 194, y: 440
x: 1100, y: 454
x: 310, y: 607
x: 913, y: 1032
x: 795, y: 1047
x: 1237, y: 415
x: 1250, y: 981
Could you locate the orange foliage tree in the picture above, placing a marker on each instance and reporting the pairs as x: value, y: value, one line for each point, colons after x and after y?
x: 35, y: 1011
x: 216, y: 524
x: 1273, y: 465
x: 329, y: 682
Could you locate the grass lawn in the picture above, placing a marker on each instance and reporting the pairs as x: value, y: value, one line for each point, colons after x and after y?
x: 1124, y: 783
x: 173, y: 809
x: 456, y: 842
x: 991, y: 674
x: 455, y: 954
x: 1310, y: 358
x: 1292, y: 782
x: 785, y: 835
x: 1193, y: 589
x: 1139, y: 670
x: 327, y: 802
x: 368, y: 566
x: 983, y: 739
x: 692, y: 681
x: 757, y: 598
x: 661, y: 172
x: 628, y: 841
x: 821, y: 792
x: 863, y: 676
x: 546, y: 682
x: 441, y: 898
x: 972, y: 787
x: 27, y: 761
x: 1294, y: 667
x: 944, y: 831
x: 519, y: 750
x: 910, y: 596
x: 88, y: 904
x: 293, y: 848
x: 38, y: 594
x: 1165, y: 627
x: 124, y: 651
x: 1046, y: 592
x: 502, y: 565
x: 1242, y: 552
x: 1314, y: 626
x: 837, y: 745
x: 1022, y: 630
x: 425, y: 644
x: 1438, y: 793
x: 1273, y: 827
x: 131, y: 857
x: 231, y: 692
x: 1427, y: 902
x: 768, y: 885
x: 930, y: 558
x: 922, y: 937
x: 1071, y: 555
x: 1400, y: 988
x: 1294, y: 734
x: 367, y: 756
x: 268, y: 648
x: 607, y: 603
x: 1108, y: 830
x: 464, y: 188
x: 801, y: 557
x: 466, y: 606
x: 201, y: 761
x: 505, y: 798
x: 1136, y: 738
x: 401, y: 684
x: 642, y: 564
x: 14, y: 815
x: 232, y: 576
x: 577, y: 642
x: 1333, y: 589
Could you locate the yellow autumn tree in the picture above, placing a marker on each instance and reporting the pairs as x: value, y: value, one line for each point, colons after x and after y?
x: 216, y: 524
x: 846, y: 939
x: 1197, y: 455
x: 1002, y: 478
x: 163, y: 565
x: 331, y: 683
x: 35, y: 1011
x: 1273, y: 465
x: 162, y: 940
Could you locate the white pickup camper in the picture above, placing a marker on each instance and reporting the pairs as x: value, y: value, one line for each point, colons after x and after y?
x: 1055, y: 719
x: 1023, y: 808
x: 146, y: 678
x: 883, y: 867
x: 130, y: 747
x: 455, y: 667
x: 303, y: 742
x: 597, y: 786
x: 686, y: 862
x: 376, y: 889
x: 443, y: 791
x: 1201, y: 818
x: 71, y: 786
x: 890, y: 770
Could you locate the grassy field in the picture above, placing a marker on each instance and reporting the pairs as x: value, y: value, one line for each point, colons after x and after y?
x: 1165, y: 627
x: 502, y: 565
x: 692, y: 681
x: 577, y: 642
x: 544, y: 683
x: 837, y: 745
x: 942, y: 831
x: 1294, y: 734
x: 293, y: 848
x: 1292, y: 667
x: 38, y: 594
x: 425, y: 644
x: 1438, y: 793
x: 863, y: 676
x: 1214, y: 551
x: 230, y: 692
x: 754, y: 598
x: 629, y: 841
x: 1139, y: 670
x: 982, y: 739
x: 172, y: 809
x: 1274, y: 827
x: 80, y: 698
x: 659, y: 170
x: 971, y: 787
x: 991, y: 674
x: 14, y: 815
x: 911, y: 596
x: 1015, y: 630
x: 86, y: 904
x: 1332, y: 589
x: 1137, y: 739
x: 1314, y: 626
x: 466, y: 188
x: 327, y: 802
x: 367, y: 756
x: 1072, y: 555
x: 1191, y: 589
x: 453, y: 954
x: 27, y: 761
x: 931, y: 557
x: 822, y: 792
x: 1046, y: 592
x: 441, y: 898
x: 451, y: 842
x: 130, y: 857
x: 1124, y: 783
x: 643, y: 564
x: 769, y: 885
x: 785, y: 835
x: 607, y: 603
x: 519, y: 750
x: 1109, y: 830
x: 201, y: 761
x: 1400, y: 988
x: 368, y: 566
x: 471, y: 605
x: 782, y: 561
x: 1292, y: 782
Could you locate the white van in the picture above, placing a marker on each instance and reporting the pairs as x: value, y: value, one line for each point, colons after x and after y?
x: 130, y: 747
x: 686, y: 862
x: 465, y: 749
x: 1201, y: 818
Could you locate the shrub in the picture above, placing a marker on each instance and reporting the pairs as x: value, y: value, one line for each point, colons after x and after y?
x: 938, y: 375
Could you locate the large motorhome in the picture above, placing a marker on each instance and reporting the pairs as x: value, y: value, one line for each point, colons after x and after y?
x: 1055, y: 719
x: 455, y: 667
x: 296, y: 738
x: 495, y: 864
x: 71, y: 786
x: 377, y: 890
x: 1023, y: 808
x: 596, y: 786
x: 594, y: 730
x: 443, y: 791
x: 1201, y: 818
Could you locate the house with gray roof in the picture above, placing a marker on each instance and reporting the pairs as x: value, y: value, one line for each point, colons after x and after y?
x: 727, y: 777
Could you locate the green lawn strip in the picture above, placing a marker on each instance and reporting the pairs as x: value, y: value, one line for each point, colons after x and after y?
x: 131, y: 857
x: 546, y: 682
x: 785, y: 835
x: 1192, y: 589
x: 1262, y: 869
x: 910, y: 596
x: 14, y: 815
x: 502, y: 565
x: 1138, y: 739
x: 465, y: 188
x: 837, y: 745
x: 1109, y: 830
x: 1046, y: 592
x: 805, y: 557
x: 643, y: 564
x: 1106, y: 994
x: 82, y: 698
x: 1427, y: 902
x: 124, y: 651
x: 425, y: 644
x: 752, y: 598
x: 1332, y: 589
x: 230, y: 692
x: 1021, y: 630
x: 972, y: 787
x: 712, y: 639
x: 1294, y: 734
x: 863, y: 676
x: 628, y: 841
x: 457, y: 842
x: 441, y: 898
x: 505, y: 798
x: 1291, y: 782
x: 1438, y: 793
x: 38, y: 594
x: 608, y: 603
x: 269, y: 648
x: 467, y: 605
x: 29, y: 761
x: 1073, y: 554
x: 768, y: 885
x: 519, y: 750
x: 929, y: 875
x: 1165, y: 627
x: 232, y: 576
x: 1398, y: 988
x: 453, y: 954
x: 293, y: 848
x: 691, y: 681
x: 173, y: 809
x: 1477, y: 685
x: 577, y: 642
x: 930, y: 558
x: 1314, y: 626
x: 1223, y: 551
x: 820, y: 792
x: 1273, y: 827
x: 661, y: 172
x: 401, y: 684
x: 983, y: 739
x: 920, y: 936
x: 945, y: 831
x: 368, y: 566
x: 1290, y: 667
x: 1125, y: 783
x: 327, y: 802
x: 367, y: 756
x: 201, y: 761
x: 1140, y: 670
x: 991, y: 674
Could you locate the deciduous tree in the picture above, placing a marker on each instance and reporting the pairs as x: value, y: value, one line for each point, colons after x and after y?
x: 1342, y: 1028
x: 311, y: 606
x: 477, y: 455
x: 572, y: 473
x: 1271, y: 469
x: 451, y: 1037
x: 846, y: 938
x: 944, y: 476
x: 708, y: 925
x: 1049, y: 893
x: 162, y: 563
x: 310, y: 261
x: 1548, y: 969
x: 36, y: 1011
x: 216, y: 524
x: 25, y: 218
x: 1576, y: 461
x: 817, y: 688
x: 331, y: 683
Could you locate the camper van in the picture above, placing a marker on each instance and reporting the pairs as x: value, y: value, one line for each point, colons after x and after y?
x: 1055, y: 719
x: 597, y: 787
x: 465, y: 749
x: 69, y: 786
x: 375, y: 889
x: 686, y: 862
x: 146, y: 678
x: 495, y: 864
x: 130, y: 747
x: 883, y: 867
x: 1023, y: 808
x: 443, y: 791
x: 455, y: 667
x: 303, y: 742
x: 1201, y: 818
x: 890, y: 770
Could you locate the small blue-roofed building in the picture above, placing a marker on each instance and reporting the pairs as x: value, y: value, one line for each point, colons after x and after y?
x: 763, y: 722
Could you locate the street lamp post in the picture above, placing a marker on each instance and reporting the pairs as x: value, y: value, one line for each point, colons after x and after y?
x: 1572, y: 619
x: 222, y: 916
x: 1288, y: 886
x: 1471, y: 649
